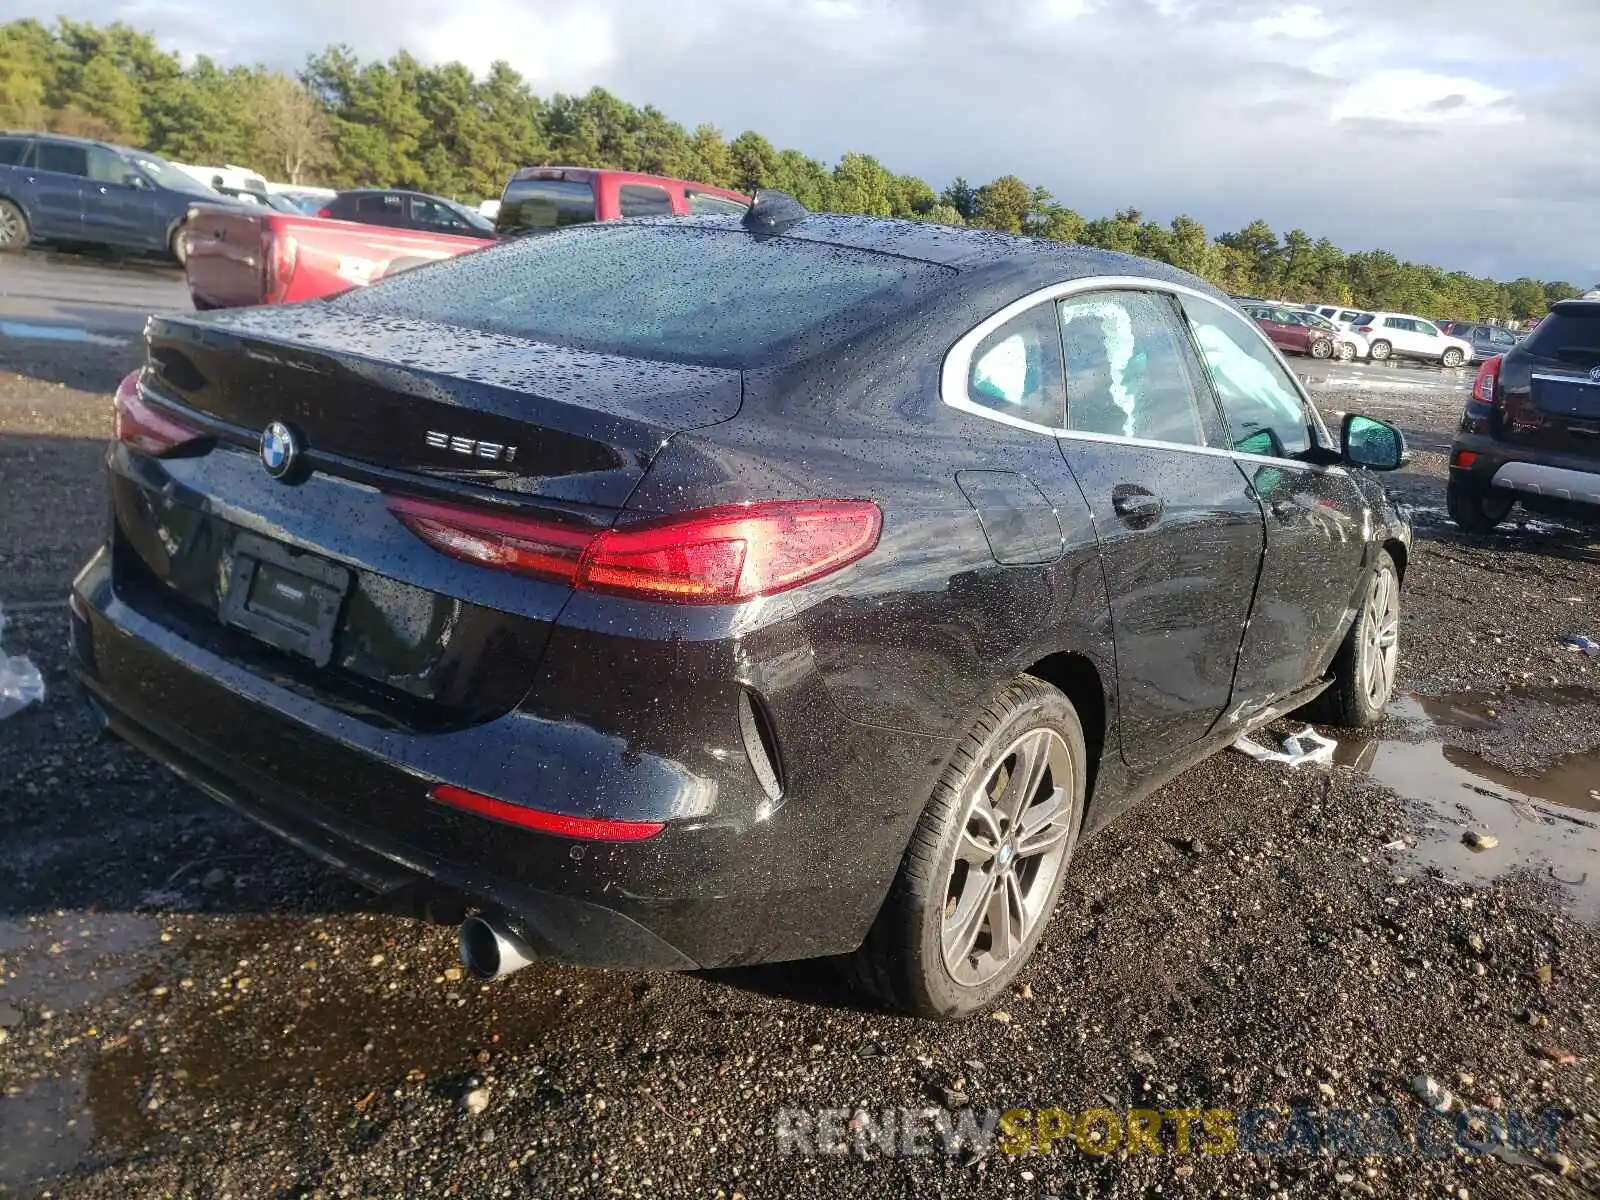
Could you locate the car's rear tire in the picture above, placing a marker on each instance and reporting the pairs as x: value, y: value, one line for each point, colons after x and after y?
x: 13, y: 227
x: 1475, y: 509
x: 1347, y: 352
x: 979, y: 881
x: 1381, y: 350
x: 1364, y: 669
x: 1322, y: 348
x: 1452, y: 357
x: 178, y: 245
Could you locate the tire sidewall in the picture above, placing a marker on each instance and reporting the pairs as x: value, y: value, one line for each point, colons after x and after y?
x: 945, y: 995
x: 22, y: 240
x: 1381, y: 350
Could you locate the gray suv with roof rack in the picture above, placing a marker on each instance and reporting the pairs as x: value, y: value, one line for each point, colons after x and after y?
x: 55, y: 188
x: 1531, y: 430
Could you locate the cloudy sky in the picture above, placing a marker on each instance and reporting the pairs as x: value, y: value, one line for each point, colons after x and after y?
x: 1460, y: 132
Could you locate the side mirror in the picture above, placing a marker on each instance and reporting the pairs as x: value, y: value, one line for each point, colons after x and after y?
x: 1264, y: 441
x: 136, y: 181
x: 1371, y: 443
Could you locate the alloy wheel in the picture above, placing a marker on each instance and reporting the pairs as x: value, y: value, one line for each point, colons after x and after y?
x: 1380, y: 350
x: 1015, y: 834
x: 1321, y: 349
x: 10, y: 226
x: 1382, y: 628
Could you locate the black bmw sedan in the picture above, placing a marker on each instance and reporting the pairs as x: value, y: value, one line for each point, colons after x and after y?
x: 688, y: 593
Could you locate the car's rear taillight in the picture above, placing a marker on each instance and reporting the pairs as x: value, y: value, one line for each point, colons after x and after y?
x: 1363, y: 328
x: 710, y: 556
x: 280, y: 255
x: 142, y: 425
x: 1486, y: 387
x: 324, y: 212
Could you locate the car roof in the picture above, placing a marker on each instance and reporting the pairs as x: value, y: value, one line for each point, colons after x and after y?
x: 589, y: 174
x: 77, y: 141
x: 1576, y: 308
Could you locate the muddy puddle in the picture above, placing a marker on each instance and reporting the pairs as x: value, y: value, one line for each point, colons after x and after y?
x: 244, y: 1019
x: 1547, y: 822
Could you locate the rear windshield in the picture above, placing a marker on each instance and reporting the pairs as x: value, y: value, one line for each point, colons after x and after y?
x: 533, y: 204
x: 715, y: 296
x: 1569, y: 337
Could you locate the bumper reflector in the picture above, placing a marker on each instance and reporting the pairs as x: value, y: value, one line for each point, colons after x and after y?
x: 1465, y: 458
x: 589, y: 828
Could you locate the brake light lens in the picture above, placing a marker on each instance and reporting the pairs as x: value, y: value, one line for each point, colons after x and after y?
x: 1486, y: 387
x: 721, y: 555
x: 324, y: 212
x: 590, y: 828
x: 1363, y: 328
x: 142, y: 425
x: 280, y: 255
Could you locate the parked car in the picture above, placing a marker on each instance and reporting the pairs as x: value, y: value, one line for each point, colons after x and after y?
x: 1290, y: 333
x: 1396, y: 335
x: 1486, y: 340
x: 1348, y: 344
x: 396, y: 209
x: 1531, y: 429
x: 70, y: 189
x: 588, y: 580
x: 539, y: 199
x: 254, y: 254
x: 1344, y: 318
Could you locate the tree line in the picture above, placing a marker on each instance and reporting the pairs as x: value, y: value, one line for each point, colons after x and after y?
x: 344, y: 122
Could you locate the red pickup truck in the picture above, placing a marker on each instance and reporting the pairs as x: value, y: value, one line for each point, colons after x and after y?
x: 538, y: 199
x: 239, y: 256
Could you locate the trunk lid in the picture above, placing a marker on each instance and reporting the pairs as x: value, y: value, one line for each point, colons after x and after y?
x: 316, y: 585
x: 1550, y: 385
x: 438, y: 402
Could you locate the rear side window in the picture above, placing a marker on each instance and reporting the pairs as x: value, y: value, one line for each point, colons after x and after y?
x: 643, y: 200
x: 11, y: 150
x: 59, y: 156
x: 1016, y: 370
x: 704, y: 204
x: 386, y: 209
x: 1263, y: 408
x: 1568, y: 336
x: 532, y: 204
x: 1125, y: 370
x: 681, y: 293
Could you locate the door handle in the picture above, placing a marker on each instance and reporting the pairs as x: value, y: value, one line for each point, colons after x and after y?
x: 1136, y: 505
x: 102, y: 190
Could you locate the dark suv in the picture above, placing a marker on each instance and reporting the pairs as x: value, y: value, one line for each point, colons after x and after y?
x: 1531, y: 429
x: 399, y: 209
x: 70, y: 189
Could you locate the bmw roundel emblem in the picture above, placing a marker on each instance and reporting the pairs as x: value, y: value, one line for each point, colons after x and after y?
x: 1594, y: 374
x: 280, y: 449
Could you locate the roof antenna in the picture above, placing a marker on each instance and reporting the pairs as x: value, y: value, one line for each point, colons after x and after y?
x: 773, y: 212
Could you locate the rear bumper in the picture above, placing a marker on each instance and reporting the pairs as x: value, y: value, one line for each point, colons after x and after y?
x: 1535, y: 474
x: 734, y: 878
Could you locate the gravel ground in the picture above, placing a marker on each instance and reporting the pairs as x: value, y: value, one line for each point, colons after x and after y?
x: 190, y: 1009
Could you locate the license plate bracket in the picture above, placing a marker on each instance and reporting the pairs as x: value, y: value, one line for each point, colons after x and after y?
x: 289, y: 600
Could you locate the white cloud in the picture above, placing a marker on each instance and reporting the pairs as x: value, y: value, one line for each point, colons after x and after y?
x: 1424, y: 98
x: 1361, y: 120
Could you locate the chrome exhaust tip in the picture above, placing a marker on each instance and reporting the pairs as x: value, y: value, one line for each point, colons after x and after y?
x: 489, y: 950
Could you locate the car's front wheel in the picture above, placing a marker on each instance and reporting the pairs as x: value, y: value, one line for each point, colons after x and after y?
x: 1381, y: 350
x: 979, y: 881
x: 1322, y: 349
x: 1365, y: 667
x: 13, y: 227
x: 1475, y: 509
x: 1453, y: 357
